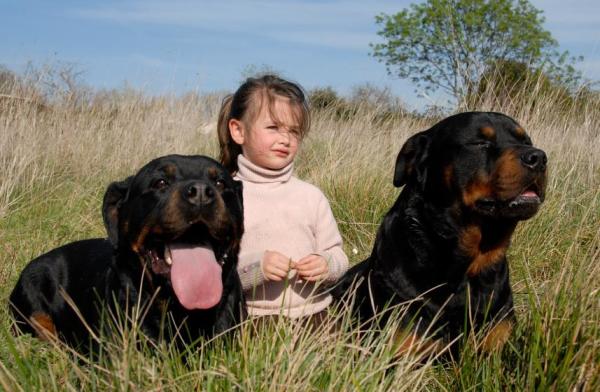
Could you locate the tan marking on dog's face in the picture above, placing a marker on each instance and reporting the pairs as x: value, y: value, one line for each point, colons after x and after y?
x: 508, y: 175
x: 221, y: 220
x: 488, y: 132
x: 170, y: 170
x: 213, y: 172
x: 43, y: 325
x: 476, y: 190
x: 139, y: 241
x: 470, y: 244
x: 497, y: 337
x: 173, y: 219
x: 520, y: 132
x: 504, y: 183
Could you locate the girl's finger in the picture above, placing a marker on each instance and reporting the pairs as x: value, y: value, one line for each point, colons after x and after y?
x: 276, y: 270
x: 314, y: 272
x: 313, y: 265
x: 315, y: 278
x: 273, y: 269
x: 274, y: 278
x: 302, y: 261
x: 308, y: 264
x: 283, y: 263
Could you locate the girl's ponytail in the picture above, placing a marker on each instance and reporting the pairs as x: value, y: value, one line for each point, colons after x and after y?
x: 229, y: 150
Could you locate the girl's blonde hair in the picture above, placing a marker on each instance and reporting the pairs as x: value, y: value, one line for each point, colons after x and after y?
x: 246, y: 103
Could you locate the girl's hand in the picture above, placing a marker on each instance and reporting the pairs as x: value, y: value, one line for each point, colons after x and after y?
x: 275, y: 265
x: 312, y: 268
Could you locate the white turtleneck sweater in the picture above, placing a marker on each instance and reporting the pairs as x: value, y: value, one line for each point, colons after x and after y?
x: 293, y: 217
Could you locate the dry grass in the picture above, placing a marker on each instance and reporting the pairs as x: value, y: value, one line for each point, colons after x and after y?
x: 58, y: 158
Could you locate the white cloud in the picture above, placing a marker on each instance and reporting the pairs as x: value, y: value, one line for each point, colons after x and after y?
x: 347, y: 24
x: 244, y: 12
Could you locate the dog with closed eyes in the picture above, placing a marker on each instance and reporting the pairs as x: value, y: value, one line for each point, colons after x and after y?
x: 441, y: 248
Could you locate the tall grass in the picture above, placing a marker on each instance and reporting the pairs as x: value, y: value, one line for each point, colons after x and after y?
x: 58, y: 156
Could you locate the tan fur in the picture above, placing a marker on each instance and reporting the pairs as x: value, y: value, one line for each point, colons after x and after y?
x: 409, y: 343
x: 478, y: 189
x: 470, y: 243
x: 139, y: 242
x: 212, y: 172
x: 173, y: 219
x: 43, y: 325
x: 497, y: 337
x: 170, y: 170
x: 488, y: 132
x: 222, y: 218
x: 520, y: 132
x: 508, y: 175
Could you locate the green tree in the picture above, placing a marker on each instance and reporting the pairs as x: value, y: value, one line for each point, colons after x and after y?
x: 449, y: 44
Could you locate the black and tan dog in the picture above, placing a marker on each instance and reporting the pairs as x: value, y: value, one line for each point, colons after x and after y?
x: 442, y: 247
x: 174, y: 231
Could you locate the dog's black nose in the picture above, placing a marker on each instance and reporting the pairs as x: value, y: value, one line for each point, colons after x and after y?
x: 199, y: 194
x: 534, y: 159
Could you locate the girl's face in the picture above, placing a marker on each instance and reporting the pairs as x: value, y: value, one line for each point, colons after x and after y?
x: 268, y: 143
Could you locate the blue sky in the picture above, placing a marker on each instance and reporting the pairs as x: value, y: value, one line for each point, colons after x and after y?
x: 180, y: 45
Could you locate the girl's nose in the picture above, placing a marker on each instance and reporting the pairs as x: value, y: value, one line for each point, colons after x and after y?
x: 286, y: 137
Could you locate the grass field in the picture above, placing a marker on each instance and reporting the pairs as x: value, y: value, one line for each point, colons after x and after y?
x: 58, y: 158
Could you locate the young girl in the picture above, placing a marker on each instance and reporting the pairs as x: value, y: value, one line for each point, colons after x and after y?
x: 291, y: 244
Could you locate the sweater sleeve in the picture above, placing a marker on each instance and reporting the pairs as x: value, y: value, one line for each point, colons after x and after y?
x: 250, y: 270
x: 329, y: 241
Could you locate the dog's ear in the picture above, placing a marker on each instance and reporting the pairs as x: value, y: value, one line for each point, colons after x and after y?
x: 410, y: 160
x: 115, y: 194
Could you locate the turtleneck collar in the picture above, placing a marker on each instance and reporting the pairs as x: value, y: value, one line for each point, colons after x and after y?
x: 250, y: 172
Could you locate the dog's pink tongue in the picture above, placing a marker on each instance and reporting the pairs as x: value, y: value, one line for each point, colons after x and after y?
x: 529, y: 194
x: 195, y: 276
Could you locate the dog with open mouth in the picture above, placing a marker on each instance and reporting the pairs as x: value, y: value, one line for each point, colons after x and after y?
x: 174, y: 232
x: 441, y: 248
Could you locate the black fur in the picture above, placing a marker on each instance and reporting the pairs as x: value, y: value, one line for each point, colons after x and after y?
x: 190, y: 199
x: 461, y: 202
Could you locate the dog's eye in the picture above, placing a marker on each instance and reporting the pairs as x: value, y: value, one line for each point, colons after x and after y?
x: 481, y: 144
x: 220, y: 184
x: 160, y: 183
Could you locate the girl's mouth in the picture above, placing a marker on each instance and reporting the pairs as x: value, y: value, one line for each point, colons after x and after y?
x: 282, y: 153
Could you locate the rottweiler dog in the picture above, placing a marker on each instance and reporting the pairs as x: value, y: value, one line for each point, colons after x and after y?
x: 441, y: 248
x: 174, y: 231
